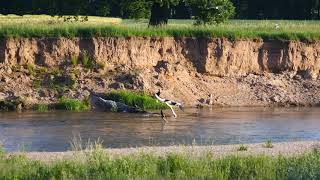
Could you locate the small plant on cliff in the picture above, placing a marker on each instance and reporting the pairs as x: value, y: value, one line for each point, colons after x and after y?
x: 212, y: 11
x: 74, y: 60
x: 101, y: 65
x: 86, y: 60
x: 31, y: 69
x: 136, y: 99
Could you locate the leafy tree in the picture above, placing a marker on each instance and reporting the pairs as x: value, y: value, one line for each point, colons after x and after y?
x: 160, y: 11
x: 135, y: 9
x: 100, y: 7
x: 211, y: 11
x: 181, y: 11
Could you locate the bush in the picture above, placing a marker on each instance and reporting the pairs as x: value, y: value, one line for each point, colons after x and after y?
x: 212, y: 11
x: 268, y: 144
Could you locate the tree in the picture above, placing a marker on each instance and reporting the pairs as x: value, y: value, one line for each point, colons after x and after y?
x: 160, y: 11
x: 135, y: 9
x: 181, y: 11
x: 211, y: 11
x: 99, y: 7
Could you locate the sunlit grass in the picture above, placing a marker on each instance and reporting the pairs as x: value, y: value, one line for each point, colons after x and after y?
x: 135, y: 99
x: 72, y: 104
x: 46, y: 26
x: 41, y: 107
x: 95, y: 163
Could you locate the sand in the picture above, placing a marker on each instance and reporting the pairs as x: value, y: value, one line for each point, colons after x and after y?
x: 282, y: 148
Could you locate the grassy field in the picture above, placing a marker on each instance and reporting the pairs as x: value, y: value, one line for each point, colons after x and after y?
x: 46, y: 26
x: 96, y: 164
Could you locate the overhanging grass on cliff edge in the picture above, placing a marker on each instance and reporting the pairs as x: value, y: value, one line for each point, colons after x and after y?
x: 135, y: 99
x: 96, y: 164
x: 99, y: 27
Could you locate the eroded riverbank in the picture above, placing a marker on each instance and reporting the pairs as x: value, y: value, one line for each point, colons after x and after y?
x: 189, y: 70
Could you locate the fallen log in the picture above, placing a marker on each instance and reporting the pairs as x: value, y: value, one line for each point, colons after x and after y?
x: 113, y: 106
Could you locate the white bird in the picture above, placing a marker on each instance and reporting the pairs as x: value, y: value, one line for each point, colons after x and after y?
x: 277, y: 26
x: 169, y: 103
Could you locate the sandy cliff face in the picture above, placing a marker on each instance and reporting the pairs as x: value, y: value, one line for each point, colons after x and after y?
x: 219, y: 57
x: 187, y: 69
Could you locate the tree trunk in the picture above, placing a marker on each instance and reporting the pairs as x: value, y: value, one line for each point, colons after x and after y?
x: 159, y: 14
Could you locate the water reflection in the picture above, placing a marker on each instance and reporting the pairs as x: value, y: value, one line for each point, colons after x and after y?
x: 53, y: 131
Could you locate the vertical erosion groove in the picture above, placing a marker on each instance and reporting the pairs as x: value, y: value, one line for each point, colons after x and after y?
x: 2, y: 50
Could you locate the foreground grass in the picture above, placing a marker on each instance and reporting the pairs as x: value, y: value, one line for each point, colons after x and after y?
x: 95, y: 164
x: 46, y: 26
x: 141, y: 100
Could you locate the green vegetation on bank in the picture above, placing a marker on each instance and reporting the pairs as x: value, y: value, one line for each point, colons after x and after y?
x: 96, y: 164
x: 27, y: 26
x: 64, y: 104
x: 72, y: 104
x: 134, y: 99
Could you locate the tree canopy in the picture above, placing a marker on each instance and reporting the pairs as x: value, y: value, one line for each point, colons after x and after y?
x: 245, y: 9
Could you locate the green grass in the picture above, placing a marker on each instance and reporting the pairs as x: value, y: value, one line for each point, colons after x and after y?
x: 46, y: 26
x: 41, y: 107
x: 74, y: 60
x: 141, y: 100
x: 95, y: 164
x: 72, y: 104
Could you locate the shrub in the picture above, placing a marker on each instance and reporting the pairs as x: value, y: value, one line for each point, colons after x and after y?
x: 268, y: 144
x: 212, y: 11
x: 31, y: 69
x: 86, y: 59
x: 243, y: 148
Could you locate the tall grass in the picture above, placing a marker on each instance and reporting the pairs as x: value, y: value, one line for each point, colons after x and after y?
x: 41, y: 107
x: 72, y: 104
x: 43, y: 26
x: 135, y: 99
x: 96, y: 164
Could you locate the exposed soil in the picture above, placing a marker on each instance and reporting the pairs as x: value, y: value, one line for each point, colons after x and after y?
x: 236, y: 73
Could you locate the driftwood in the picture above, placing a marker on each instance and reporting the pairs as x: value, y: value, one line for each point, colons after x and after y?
x: 110, y: 105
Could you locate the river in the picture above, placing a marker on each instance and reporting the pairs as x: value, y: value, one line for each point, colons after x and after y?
x: 53, y: 131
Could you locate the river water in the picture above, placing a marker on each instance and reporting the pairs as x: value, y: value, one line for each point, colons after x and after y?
x: 53, y: 131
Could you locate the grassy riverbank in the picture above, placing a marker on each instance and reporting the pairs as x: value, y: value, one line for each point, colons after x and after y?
x: 96, y: 164
x: 46, y: 26
x: 136, y: 99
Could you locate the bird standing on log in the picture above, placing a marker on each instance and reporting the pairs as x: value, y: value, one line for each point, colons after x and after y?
x: 169, y: 103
